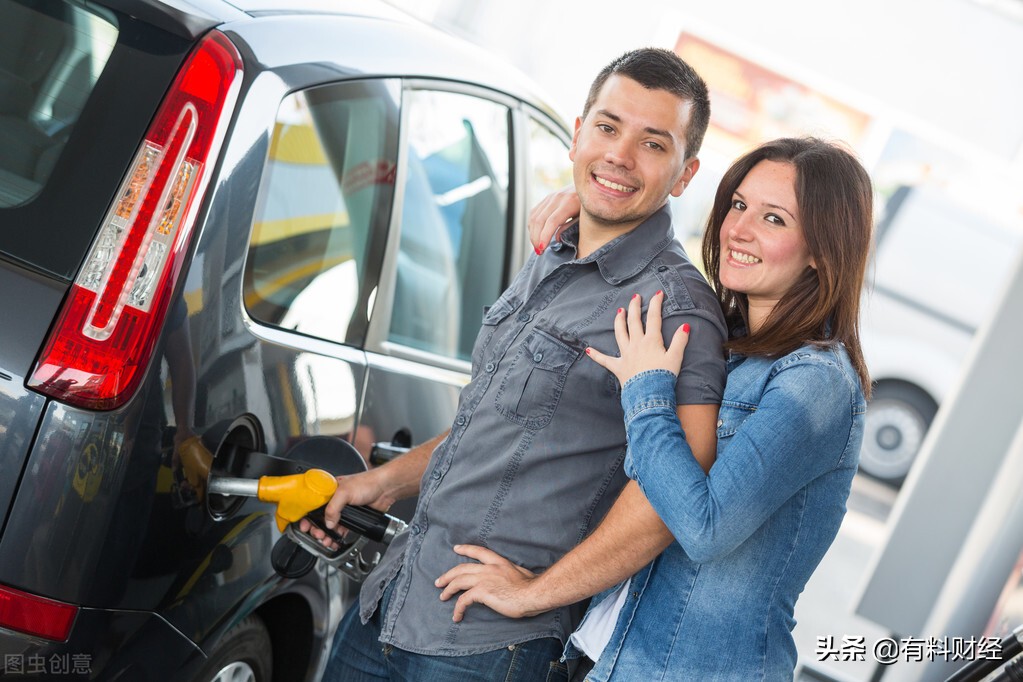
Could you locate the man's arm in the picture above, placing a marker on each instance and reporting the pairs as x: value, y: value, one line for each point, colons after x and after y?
x: 628, y: 538
x: 379, y: 487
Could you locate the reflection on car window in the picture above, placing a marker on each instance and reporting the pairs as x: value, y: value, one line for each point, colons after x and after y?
x: 550, y: 168
x: 327, y: 193
x: 52, y: 55
x: 454, y: 222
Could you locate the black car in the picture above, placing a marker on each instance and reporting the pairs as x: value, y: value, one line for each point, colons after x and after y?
x: 228, y: 230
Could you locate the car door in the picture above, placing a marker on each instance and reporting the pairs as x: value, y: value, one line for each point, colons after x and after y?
x: 457, y: 238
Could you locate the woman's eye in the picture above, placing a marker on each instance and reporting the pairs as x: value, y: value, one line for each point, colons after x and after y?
x: 774, y: 219
x: 738, y: 204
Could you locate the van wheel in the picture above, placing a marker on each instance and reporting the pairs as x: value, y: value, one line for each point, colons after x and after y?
x: 243, y: 655
x: 896, y: 422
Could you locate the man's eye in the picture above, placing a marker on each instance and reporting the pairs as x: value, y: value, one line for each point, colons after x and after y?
x: 655, y: 146
x: 603, y: 127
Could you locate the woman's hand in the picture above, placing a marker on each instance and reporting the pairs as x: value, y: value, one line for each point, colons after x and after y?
x: 639, y: 349
x: 552, y: 215
x: 494, y: 582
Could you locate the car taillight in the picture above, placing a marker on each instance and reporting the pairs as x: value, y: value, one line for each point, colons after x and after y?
x: 104, y: 336
x: 34, y: 615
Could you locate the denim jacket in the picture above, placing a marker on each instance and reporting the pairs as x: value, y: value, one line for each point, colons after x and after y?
x: 718, y: 603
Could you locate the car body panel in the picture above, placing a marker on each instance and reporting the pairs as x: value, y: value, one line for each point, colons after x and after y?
x: 97, y: 513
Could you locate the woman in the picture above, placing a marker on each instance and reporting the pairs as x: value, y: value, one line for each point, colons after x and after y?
x: 786, y: 249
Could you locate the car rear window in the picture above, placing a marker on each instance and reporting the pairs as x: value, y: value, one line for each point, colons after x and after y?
x: 51, y: 55
x: 79, y: 84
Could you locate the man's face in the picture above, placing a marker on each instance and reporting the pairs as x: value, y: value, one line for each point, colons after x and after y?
x: 629, y: 153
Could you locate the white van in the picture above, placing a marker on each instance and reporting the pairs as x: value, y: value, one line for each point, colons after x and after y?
x: 938, y: 272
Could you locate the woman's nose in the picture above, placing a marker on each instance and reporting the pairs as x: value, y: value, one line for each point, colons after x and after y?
x: 741, y: 229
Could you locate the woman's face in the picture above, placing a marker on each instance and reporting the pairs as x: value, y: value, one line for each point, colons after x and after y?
x: 763, y: 252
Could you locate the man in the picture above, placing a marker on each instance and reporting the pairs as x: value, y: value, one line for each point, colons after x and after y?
x: 534, y: 458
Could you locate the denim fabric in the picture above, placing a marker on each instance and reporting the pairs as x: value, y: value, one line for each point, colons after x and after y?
x: 534, y: 457
x: 359, y: 656
x: 718, y: 603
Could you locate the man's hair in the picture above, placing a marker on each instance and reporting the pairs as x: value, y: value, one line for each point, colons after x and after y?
x: 822, y: 307
x: 658, y: 69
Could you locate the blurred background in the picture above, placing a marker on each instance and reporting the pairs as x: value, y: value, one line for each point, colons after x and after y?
x: 928, y: 95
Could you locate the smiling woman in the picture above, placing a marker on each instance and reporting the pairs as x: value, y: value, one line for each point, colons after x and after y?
x: 763, y: 239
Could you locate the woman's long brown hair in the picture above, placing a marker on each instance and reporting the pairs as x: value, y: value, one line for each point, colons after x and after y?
x: 835, y: 201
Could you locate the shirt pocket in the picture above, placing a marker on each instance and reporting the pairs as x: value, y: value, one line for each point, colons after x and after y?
x: 731, y: 416
x: 493, y: 316
x: 532, y: 387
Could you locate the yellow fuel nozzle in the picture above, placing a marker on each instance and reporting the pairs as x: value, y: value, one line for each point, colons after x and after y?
x: 296, y: 495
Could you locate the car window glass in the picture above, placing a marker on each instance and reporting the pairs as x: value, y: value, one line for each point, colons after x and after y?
x: 326, y: 197
x: 51, y: 56
x: 550, y: 168
x: 454, y: 223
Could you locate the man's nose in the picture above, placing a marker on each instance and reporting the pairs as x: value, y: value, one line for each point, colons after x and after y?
x: 619, y: 153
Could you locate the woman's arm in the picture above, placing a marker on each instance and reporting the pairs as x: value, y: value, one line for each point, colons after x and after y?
x: 799, y: 430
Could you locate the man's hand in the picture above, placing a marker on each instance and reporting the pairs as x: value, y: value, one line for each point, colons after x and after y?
x: 364, y: 488
x: 494, y: 582
x: 551, y: 216
x: 640, y: 349
x: 378, y: 488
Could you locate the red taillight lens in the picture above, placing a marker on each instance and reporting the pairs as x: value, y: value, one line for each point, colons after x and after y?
x: 34, y: 615
x: 104, y: 336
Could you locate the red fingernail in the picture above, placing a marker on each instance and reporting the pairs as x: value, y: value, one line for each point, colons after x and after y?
x: 537, y: 250
x: 685, y: 327
x: 635, y: 295
x: 587, y: 351
x: 620, y: 310
x: 541, y: 247
x: 659, y: 292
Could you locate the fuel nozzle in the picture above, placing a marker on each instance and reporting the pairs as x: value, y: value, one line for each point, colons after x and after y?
x: 296, y: 495
x: 304, y: 495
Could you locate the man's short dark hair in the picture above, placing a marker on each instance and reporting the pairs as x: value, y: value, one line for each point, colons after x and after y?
x: 658, y: 69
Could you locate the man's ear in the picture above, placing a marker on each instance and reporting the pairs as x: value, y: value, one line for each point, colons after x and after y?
x: 688, y: 171
x: 575, y: 138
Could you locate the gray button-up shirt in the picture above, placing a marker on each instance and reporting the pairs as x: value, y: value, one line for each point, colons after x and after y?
x: 534, y: 457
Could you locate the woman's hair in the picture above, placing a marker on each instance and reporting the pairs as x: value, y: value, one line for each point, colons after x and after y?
x: 835, y: 203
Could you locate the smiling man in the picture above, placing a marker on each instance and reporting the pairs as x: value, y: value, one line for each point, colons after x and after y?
x: 533, y: 461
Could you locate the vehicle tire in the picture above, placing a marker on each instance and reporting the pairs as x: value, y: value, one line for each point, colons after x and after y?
x: 243, y: 655
x: 895, y: 424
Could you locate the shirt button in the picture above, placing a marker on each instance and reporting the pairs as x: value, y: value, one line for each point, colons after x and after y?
x: 491, y: 367
x: 538, y: 357
x: 416, y: 530
x: 461, y: 420
x: 721, y: 422
x: 557, y: 246
x: 523, y: 317
x: 436, y: 474
x: 662, y: 268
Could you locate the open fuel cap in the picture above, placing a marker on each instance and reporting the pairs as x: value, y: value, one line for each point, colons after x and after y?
x: 289, y: 560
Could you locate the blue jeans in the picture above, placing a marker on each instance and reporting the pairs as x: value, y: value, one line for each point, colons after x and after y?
x: 359, y: 656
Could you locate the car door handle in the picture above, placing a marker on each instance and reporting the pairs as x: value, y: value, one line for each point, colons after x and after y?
x: 382, y: 453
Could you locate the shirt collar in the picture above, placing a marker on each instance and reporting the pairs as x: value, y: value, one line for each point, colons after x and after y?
x: 627, y: 255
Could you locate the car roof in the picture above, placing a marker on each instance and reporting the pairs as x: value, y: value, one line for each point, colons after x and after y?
x: 192, y: 18
x: 457, y: 58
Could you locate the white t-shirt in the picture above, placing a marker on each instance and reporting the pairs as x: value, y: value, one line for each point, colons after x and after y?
x: 595, y: 631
